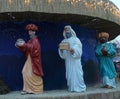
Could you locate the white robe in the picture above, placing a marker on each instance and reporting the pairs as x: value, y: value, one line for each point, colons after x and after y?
x: 74, y: 72
x: 116, y: 41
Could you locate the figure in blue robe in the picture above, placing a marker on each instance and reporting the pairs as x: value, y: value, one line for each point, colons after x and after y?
x: 105, y: 52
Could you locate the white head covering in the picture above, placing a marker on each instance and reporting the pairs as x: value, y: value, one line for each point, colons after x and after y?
x: 71, y: 30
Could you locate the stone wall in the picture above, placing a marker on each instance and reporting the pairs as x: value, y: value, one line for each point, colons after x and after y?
x: 96, y: 8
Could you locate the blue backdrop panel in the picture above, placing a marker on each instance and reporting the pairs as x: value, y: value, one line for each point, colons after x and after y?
x: 50, y: 35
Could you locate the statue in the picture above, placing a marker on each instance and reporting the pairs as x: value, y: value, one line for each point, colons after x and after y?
x: 70, y: 49
x: 32, y: 71
x: 105, y: 52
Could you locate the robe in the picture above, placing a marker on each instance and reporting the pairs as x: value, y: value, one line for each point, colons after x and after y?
x: 106, y: 66
x: 116, y: 42
x: 32, y: 70
x: 74, y: 72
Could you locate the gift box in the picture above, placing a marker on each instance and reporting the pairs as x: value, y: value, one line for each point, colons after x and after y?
x: 64, y: 46
x: 19, y: 42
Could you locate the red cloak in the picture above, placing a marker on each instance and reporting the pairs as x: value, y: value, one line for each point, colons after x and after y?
x: 32, y: 47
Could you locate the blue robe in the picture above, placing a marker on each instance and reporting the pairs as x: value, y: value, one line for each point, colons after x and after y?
x: 106, y: 65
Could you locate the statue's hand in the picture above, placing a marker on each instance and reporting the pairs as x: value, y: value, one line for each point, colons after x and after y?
x: 19, y: 42
x: 72, y: 51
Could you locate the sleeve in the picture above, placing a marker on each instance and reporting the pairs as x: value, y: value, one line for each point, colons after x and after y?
x: 77, y: 48
x: 23, y: 49
x: 98, y: 51
x: 111, y: 50
x: 26, y: 47
x: 62, y: 54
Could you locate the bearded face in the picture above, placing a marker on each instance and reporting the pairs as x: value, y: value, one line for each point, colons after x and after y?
x: 103, y: 40
x: 68, y: 32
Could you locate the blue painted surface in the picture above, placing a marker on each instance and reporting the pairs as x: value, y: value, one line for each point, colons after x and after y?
x: 50, y: 35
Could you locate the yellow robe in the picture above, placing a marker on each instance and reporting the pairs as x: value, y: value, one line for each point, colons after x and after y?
x: 32, y: 83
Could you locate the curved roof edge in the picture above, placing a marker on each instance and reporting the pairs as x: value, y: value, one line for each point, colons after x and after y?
x: 94, y: 8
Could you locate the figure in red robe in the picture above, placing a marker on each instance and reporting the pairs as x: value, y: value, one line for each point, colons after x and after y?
x: 32, y: 71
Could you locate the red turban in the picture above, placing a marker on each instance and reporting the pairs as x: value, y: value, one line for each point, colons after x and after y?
x: 32, y: 27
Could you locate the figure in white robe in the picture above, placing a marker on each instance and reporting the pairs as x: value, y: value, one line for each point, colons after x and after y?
x: 116, y: 59
x: 116, y: 41
x: 72, y: 57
